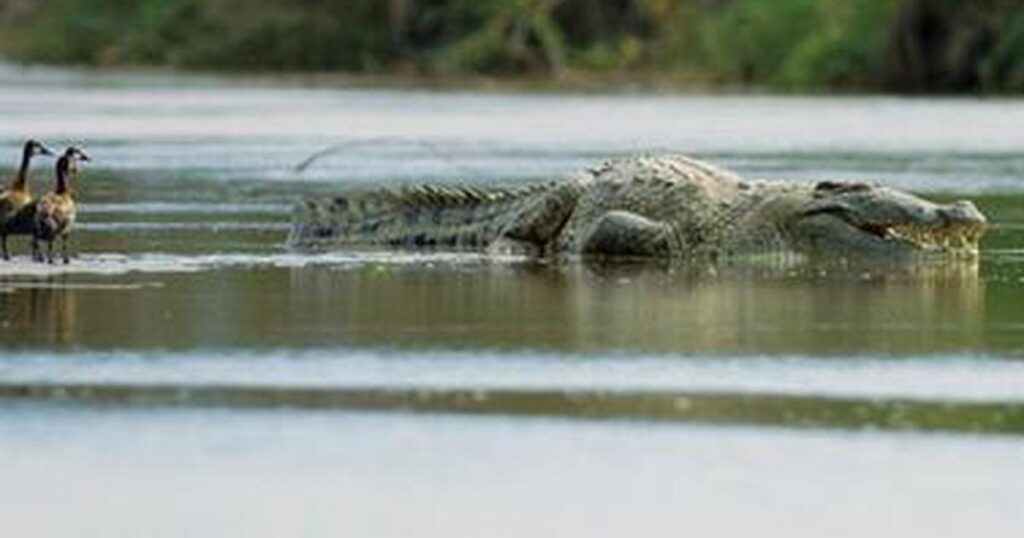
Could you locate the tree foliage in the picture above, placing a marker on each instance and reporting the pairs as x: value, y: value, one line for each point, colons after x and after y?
x: 903, y: 45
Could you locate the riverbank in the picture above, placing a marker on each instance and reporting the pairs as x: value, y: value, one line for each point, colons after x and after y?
x: 906, y: 46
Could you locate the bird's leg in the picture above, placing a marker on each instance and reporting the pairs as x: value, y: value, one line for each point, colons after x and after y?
x: 49, y: 251
x: 3, y: 246
x: 64, y: 249
x: 37, y: 253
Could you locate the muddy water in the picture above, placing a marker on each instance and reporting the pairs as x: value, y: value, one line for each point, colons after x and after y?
x: 193, y: 374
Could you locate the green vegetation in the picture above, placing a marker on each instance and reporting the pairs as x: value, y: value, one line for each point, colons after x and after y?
x: 901, y: 45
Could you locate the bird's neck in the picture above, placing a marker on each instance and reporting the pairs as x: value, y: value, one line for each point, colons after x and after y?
x: 63, y: 177
x: 21, y: 180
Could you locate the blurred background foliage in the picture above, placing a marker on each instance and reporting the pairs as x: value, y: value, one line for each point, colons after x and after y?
x: 892, y: 45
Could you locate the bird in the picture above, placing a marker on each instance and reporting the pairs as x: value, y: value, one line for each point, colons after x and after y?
x: 53, y: 214
x: 18, y: 196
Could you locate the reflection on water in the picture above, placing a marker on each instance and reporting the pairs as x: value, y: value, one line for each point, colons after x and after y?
x: 796, y: 312
x: 447, y: 302
x: 47, y: 305
x: 417, y: 302
x: 578, y: 309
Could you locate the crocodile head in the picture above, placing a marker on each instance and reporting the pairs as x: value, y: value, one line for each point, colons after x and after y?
x: 856, y: 219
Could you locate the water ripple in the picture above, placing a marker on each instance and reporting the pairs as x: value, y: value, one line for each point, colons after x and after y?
x: 954, y: 378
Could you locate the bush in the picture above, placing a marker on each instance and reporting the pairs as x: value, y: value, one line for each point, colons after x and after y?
x: 905, y: 45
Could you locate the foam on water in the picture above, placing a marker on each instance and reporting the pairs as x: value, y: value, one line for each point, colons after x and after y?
x: 150, y: 262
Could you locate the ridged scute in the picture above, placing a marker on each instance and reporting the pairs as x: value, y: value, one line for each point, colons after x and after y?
x: 420, y: 215
x: 546, y: 217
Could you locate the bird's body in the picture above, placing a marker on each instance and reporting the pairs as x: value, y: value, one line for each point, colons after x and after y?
x: 12, y: 201
x: 53, y: 215
x: 15, y: 201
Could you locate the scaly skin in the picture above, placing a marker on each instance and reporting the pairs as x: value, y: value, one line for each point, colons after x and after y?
x: 662, y: 207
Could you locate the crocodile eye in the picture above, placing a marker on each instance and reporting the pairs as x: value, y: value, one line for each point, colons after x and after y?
x: 826, y: 188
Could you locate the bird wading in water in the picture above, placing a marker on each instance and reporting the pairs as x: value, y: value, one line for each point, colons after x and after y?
x: 54, y: 213
x: 17, y: 197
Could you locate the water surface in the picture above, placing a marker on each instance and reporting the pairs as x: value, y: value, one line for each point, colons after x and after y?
x: 647, y: 395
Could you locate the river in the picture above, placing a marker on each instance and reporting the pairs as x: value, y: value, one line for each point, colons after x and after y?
x: 188, y: 374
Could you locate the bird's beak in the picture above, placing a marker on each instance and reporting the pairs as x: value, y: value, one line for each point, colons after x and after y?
x: 44, y: 151
x: 84, y: 157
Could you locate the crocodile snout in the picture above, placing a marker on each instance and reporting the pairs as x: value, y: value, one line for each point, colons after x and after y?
x: 962, y: 213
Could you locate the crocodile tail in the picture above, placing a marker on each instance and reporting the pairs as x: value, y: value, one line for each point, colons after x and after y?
x: 424, y: 215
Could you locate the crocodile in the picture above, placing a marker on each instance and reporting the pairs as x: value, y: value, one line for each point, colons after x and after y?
x: 646, y: 207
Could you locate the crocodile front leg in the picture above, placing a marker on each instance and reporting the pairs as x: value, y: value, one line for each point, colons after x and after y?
x: 538, y: 224
x: 625, y: 234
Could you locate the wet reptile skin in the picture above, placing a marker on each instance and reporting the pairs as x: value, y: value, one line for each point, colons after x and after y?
x: 646, y: 206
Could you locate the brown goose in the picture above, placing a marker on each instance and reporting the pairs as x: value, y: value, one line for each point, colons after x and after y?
x: 18, y: 196
x: 54, y: 213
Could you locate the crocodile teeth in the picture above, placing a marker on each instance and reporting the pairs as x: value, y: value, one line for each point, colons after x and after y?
x: 949, y: 238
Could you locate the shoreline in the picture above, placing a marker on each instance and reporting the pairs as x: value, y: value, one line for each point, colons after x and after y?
x: 573, y: 83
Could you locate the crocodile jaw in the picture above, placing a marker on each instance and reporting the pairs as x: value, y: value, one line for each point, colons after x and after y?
x: 842, y: 229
